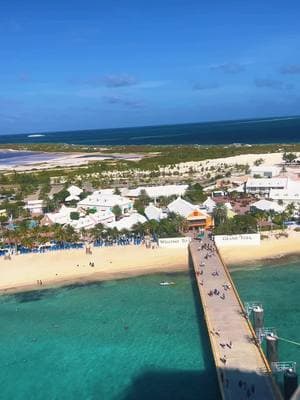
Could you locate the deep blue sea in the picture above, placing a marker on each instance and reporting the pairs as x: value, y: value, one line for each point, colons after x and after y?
x: 268, y: 130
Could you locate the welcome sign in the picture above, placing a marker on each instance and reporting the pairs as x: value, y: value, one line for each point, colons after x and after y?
x: 252, y: 239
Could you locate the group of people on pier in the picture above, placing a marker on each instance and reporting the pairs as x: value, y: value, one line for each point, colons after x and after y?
x: 207, y: 266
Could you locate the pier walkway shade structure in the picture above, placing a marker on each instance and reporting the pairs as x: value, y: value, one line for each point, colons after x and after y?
x: 243, y: 371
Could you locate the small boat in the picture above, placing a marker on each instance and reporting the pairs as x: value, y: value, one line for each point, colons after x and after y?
x: 166, y: 283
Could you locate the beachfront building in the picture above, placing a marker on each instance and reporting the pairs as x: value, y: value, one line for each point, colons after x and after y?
x: 102, y: 202
x: 266, y: 205
x: 64, y: 217
x: 154, y: 213
x: 262, y: 186
x: 35, y: 207
x: 61, y: 217
x: 265, y: 171
x: 90, y: 221
x: 127, y: 222
x: 154, y: 192
x: 196, y: 219
x: 199, y: 219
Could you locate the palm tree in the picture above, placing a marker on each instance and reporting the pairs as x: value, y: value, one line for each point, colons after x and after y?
x: 290, y: 210
x: 98, y: 231
x: 70, y: 234
x: 139, y: 228
x: 28, y: 241
x: 220, y: 214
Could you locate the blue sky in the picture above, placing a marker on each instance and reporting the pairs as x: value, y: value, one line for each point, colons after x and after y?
x: 95, y: 64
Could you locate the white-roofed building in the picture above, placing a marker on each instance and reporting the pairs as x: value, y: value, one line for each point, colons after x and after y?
x: 265, y: 171
x: 262, y: 186
x: 74, y: 190
x: 196, y: 219
x: 181, y: 207
x: 155, y: 213
x: 127, y: 222
x: 102, y: 202
x: 238, y: 189
x: 61, y: 217
x: 91, y: 220
x: 72, y: 197
x: 35, y: 207
x: 266, y: 205
x: 107, y: 191
x: 209, y: 204
x: 291, y: 194
x: 155, y: 192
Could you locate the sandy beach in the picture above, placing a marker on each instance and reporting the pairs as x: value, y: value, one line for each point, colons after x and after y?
x: 60, y: 267
x: 71, y: 266
x: 270, y: 249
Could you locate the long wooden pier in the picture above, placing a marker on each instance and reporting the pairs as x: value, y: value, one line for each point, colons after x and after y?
x: 242, y: 369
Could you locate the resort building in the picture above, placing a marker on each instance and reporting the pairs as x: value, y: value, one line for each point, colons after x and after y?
x: 181, y: 207
x: 61, y: 217
x: 35, y: 207
x: 103, y: 202
x: 91, y: 220
x: 127, y: 222
x: 265, y: 171
x: 266, y: 205
x: 155, y: 192
x: 196, y: 219
x: 154, y: 213
x: 262, y: 186
x: 288, y: 195
x: 74, y: 193
x: 209, y: 204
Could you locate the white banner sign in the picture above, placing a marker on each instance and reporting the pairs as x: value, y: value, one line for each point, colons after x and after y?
x: 252, y: 239
x: 174, y: 242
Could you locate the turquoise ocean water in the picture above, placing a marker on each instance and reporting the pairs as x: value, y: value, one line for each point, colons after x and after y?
x: 125, y: 339
x: 129, y: 339
x: 277, y: 287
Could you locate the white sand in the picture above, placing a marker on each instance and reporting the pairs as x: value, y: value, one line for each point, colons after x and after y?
x: 60, y: 267
x: 270, y: 248
x: 76, y: 159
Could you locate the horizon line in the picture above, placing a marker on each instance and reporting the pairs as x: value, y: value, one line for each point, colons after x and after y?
x: 267, y: 118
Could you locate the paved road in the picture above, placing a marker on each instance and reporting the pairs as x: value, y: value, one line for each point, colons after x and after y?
x: 243, y: 372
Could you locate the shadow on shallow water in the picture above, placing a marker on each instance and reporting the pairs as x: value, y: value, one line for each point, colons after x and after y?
x: 33, y: 295
x: 40, y: 294
x: 175, y: 385
x: 191, y: 385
